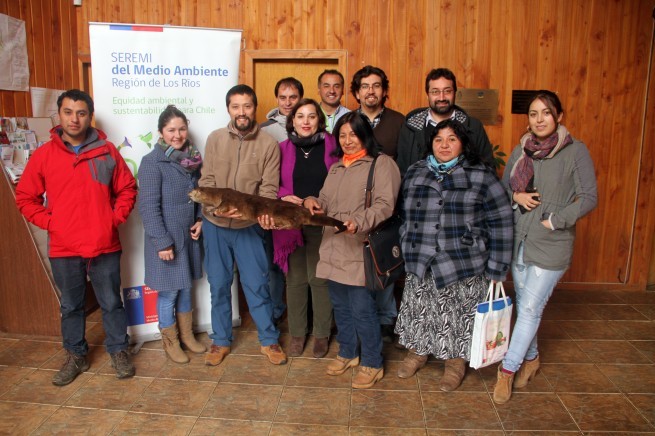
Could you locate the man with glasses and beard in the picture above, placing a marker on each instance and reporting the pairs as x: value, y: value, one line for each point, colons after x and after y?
x: 441, y: 88
x: 244, y: 158
x: 370, y: 86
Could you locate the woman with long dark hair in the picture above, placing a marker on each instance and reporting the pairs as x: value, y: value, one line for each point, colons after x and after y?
x: 550, y: 177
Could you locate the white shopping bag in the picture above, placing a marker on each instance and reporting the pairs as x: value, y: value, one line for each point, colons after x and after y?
x: 491, y: 328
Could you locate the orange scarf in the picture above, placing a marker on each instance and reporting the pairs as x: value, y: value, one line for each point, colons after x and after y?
x: 348, y: 159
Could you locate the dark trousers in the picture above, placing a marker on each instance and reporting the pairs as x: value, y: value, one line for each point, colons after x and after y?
x: 358, y: 326
x: 70, y: 276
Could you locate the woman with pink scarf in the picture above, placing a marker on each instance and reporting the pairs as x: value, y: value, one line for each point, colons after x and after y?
x: 550, y: 177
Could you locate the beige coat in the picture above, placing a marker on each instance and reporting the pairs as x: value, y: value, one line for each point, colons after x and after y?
x: 249, y: 164
x: 342, y: 197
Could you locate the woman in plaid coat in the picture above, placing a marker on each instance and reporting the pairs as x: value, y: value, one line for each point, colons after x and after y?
x: 456, y: 237
x: 172, y: 226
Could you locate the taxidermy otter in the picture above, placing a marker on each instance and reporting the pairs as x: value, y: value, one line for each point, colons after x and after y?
x: 286, y: 215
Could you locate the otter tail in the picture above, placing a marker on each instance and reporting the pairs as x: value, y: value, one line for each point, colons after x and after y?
x: 323, y: 220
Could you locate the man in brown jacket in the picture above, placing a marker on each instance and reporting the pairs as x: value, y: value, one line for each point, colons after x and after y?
x: 244, y: 158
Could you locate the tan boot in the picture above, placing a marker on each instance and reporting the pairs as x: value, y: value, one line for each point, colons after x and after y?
x: 185, y: 322
x: 172, y: 345
x: 366, y: 377
x: 412, y: 363
x: 216, y: 355
x: 274, y: 353
x: 526, y: 372
x: 453, y: 374
x: 340, y: 365
x: 503, y: 389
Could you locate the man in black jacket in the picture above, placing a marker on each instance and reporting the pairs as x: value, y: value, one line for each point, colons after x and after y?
x: 441, y: 88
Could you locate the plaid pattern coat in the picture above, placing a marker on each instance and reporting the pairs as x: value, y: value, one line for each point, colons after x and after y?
x: 459, y: 227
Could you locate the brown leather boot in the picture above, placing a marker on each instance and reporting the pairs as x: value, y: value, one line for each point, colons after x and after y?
x: 526, y: 372
x: 185, y: 323
x: 340, y: 365
x: 296, y: 346
x: 366, y: 377
x: 503, y: 388
x: 320, y: 347
x: 172, y: 344
x: 412, y: 363
x: 453, y: 374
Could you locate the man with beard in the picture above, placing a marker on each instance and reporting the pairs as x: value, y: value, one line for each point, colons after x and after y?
x: 441, y: 88
x: 370, y: 87
x: 241, y: 157
x: 330, y: 89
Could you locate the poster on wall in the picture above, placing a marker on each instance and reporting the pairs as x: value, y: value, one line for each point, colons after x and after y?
x: 137, y: 71
x: 13, y: 55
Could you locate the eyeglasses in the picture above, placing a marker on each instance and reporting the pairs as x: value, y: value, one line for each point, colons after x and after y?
x: 366, y: 86
x: 445, y: 92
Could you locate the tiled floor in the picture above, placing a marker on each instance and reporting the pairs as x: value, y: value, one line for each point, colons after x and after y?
x: 598, y: 376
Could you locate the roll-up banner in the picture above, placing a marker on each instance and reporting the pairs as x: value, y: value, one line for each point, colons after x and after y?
x: 137, y: 70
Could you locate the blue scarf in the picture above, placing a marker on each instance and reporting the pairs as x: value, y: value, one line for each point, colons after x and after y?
x: 443, y: 169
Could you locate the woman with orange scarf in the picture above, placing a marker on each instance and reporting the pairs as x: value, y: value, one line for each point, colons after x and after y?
x: 341, y: 255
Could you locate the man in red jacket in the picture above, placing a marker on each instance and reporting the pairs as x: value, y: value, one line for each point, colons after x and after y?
x: 78, y: 188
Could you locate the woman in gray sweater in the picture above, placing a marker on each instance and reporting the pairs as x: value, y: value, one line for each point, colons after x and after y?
x: 550, y: 177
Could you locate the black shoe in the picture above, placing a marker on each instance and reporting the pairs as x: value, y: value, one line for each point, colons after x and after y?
x: 74, y: 366
x: 121, y: 363
x: 388, y: 335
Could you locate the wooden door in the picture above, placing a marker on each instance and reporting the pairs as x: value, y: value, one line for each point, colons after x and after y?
x: 265, y: 67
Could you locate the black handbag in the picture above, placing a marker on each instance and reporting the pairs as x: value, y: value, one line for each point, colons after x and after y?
x: 383, y: 260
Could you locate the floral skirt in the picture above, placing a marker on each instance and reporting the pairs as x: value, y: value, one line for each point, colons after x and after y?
x: 439, y: 321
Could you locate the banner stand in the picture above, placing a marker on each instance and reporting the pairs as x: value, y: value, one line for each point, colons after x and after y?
x: 139, y: 69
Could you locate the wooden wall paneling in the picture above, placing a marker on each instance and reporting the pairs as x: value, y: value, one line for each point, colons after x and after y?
x: 347, y: 26
x: 203, y: 13
x: 617, y: 169
x: 379, y: 19
x: 67, y: 41
x: 43, y: 34
x: 404, y: 88
x: 644, y: 235
x: 500, y: 76
x: 146, y: 11
x: 582, y: 49
x: 26, y: 292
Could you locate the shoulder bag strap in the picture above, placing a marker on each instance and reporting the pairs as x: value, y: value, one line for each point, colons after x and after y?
x: 369, y: 184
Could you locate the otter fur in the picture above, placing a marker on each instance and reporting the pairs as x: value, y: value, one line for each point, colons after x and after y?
x: 286, y: 215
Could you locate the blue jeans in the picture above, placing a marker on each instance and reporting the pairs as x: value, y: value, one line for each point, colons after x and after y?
x: 70, y: 276
x: 171, y: 302
x: 275, y: 279
x: 357, y: 322
x: 223, y: 247
x: 533, y: 287
x: 386, y: 305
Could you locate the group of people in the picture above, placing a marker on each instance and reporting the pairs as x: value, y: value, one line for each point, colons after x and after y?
x: 463, y: 228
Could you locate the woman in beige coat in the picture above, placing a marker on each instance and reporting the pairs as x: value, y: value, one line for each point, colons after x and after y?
x: 341, y: 255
